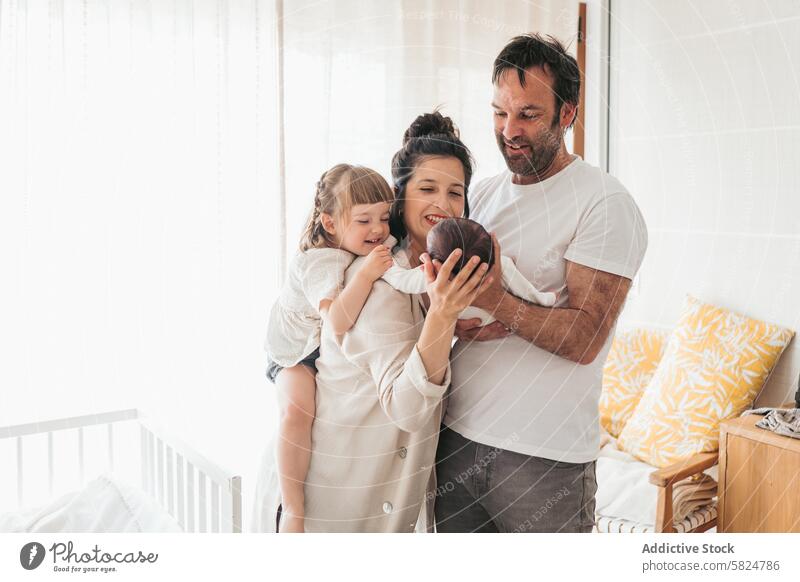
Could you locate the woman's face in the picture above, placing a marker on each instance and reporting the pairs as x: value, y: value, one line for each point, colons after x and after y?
x: 435, y: 191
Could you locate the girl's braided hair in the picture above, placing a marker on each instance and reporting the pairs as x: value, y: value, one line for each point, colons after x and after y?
x: 338, y: 190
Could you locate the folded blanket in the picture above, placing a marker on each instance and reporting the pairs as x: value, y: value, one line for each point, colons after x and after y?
x: 783, y: 421
x: 691, y: 494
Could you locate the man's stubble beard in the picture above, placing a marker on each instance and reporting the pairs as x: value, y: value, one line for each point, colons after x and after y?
x: 543, y: 151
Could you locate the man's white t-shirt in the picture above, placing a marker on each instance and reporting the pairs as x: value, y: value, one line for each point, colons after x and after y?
x: 508, y: 393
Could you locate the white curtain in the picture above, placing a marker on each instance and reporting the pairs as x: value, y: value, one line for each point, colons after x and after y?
x: 139, y: 217
x: 137, y: 230
x: 357, y: 73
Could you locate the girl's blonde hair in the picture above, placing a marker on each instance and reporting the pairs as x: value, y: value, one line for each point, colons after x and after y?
x: 338, y: 190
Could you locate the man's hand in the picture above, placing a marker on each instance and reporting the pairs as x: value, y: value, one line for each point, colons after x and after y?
x: 377, y: 263
x: 471, y: 329
x: 491, y: 297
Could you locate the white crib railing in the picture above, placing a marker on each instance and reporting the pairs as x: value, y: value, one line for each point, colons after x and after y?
x: 172, y: 472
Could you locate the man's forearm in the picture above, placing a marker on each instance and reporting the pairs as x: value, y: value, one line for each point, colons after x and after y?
x: 568, y: 333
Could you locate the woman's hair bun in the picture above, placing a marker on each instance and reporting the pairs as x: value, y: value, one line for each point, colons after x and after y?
x: 430, y: 124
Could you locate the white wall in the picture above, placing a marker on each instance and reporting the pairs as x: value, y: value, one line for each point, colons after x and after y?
x: 705, y: 132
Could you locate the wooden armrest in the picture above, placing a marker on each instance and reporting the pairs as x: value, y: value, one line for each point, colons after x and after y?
x: 665, y: 478
x: 668, y: 476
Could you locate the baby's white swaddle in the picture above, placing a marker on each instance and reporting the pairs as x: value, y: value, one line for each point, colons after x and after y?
x: 413, y: 281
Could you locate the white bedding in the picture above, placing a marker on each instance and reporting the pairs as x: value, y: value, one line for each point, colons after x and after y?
x: 106, y: 504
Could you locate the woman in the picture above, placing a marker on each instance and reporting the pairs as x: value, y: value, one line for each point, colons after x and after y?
x: 380, y: 385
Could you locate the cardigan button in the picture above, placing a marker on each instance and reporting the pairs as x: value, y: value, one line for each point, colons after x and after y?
x: 403, y: 452
x: 387, y: 507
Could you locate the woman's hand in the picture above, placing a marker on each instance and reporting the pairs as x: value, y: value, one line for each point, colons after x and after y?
x: 449, y: 297
x: 291, y: 522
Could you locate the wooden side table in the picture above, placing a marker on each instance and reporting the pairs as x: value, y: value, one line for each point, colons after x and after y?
x: 759, y: 479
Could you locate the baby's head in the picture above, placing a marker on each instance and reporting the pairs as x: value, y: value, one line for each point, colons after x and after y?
x: 351, y: 210
x: 460, y: 233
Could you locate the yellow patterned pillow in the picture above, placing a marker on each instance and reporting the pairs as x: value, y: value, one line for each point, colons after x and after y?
x: 631, y: 363
x: 714, y: 366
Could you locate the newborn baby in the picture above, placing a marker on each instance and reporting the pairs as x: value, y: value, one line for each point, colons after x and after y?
x: 460, y: 233
x: 473, y: 240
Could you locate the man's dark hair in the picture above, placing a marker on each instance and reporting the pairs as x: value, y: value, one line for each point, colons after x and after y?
x: 533, y: 50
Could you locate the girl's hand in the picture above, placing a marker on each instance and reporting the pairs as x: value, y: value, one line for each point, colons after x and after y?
x: 377, y: 263
x: 449, y: 297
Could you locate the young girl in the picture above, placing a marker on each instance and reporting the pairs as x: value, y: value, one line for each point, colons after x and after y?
x: 350, y: 217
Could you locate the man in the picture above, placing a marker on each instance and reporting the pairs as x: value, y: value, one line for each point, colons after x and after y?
x: 521, y: 434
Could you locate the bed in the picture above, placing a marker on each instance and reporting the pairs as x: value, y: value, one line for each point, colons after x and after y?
x: 118, y: 471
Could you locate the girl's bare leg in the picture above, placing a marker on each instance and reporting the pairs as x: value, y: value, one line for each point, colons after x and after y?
x: 296, y: 402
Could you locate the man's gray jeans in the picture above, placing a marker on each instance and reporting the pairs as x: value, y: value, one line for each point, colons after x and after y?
x: 485, y: 489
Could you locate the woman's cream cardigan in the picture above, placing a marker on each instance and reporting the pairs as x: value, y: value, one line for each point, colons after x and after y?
x: 376, y: 428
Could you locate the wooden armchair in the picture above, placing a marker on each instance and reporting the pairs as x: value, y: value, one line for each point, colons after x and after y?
x: 665, y: 478
x: 627, y: 487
